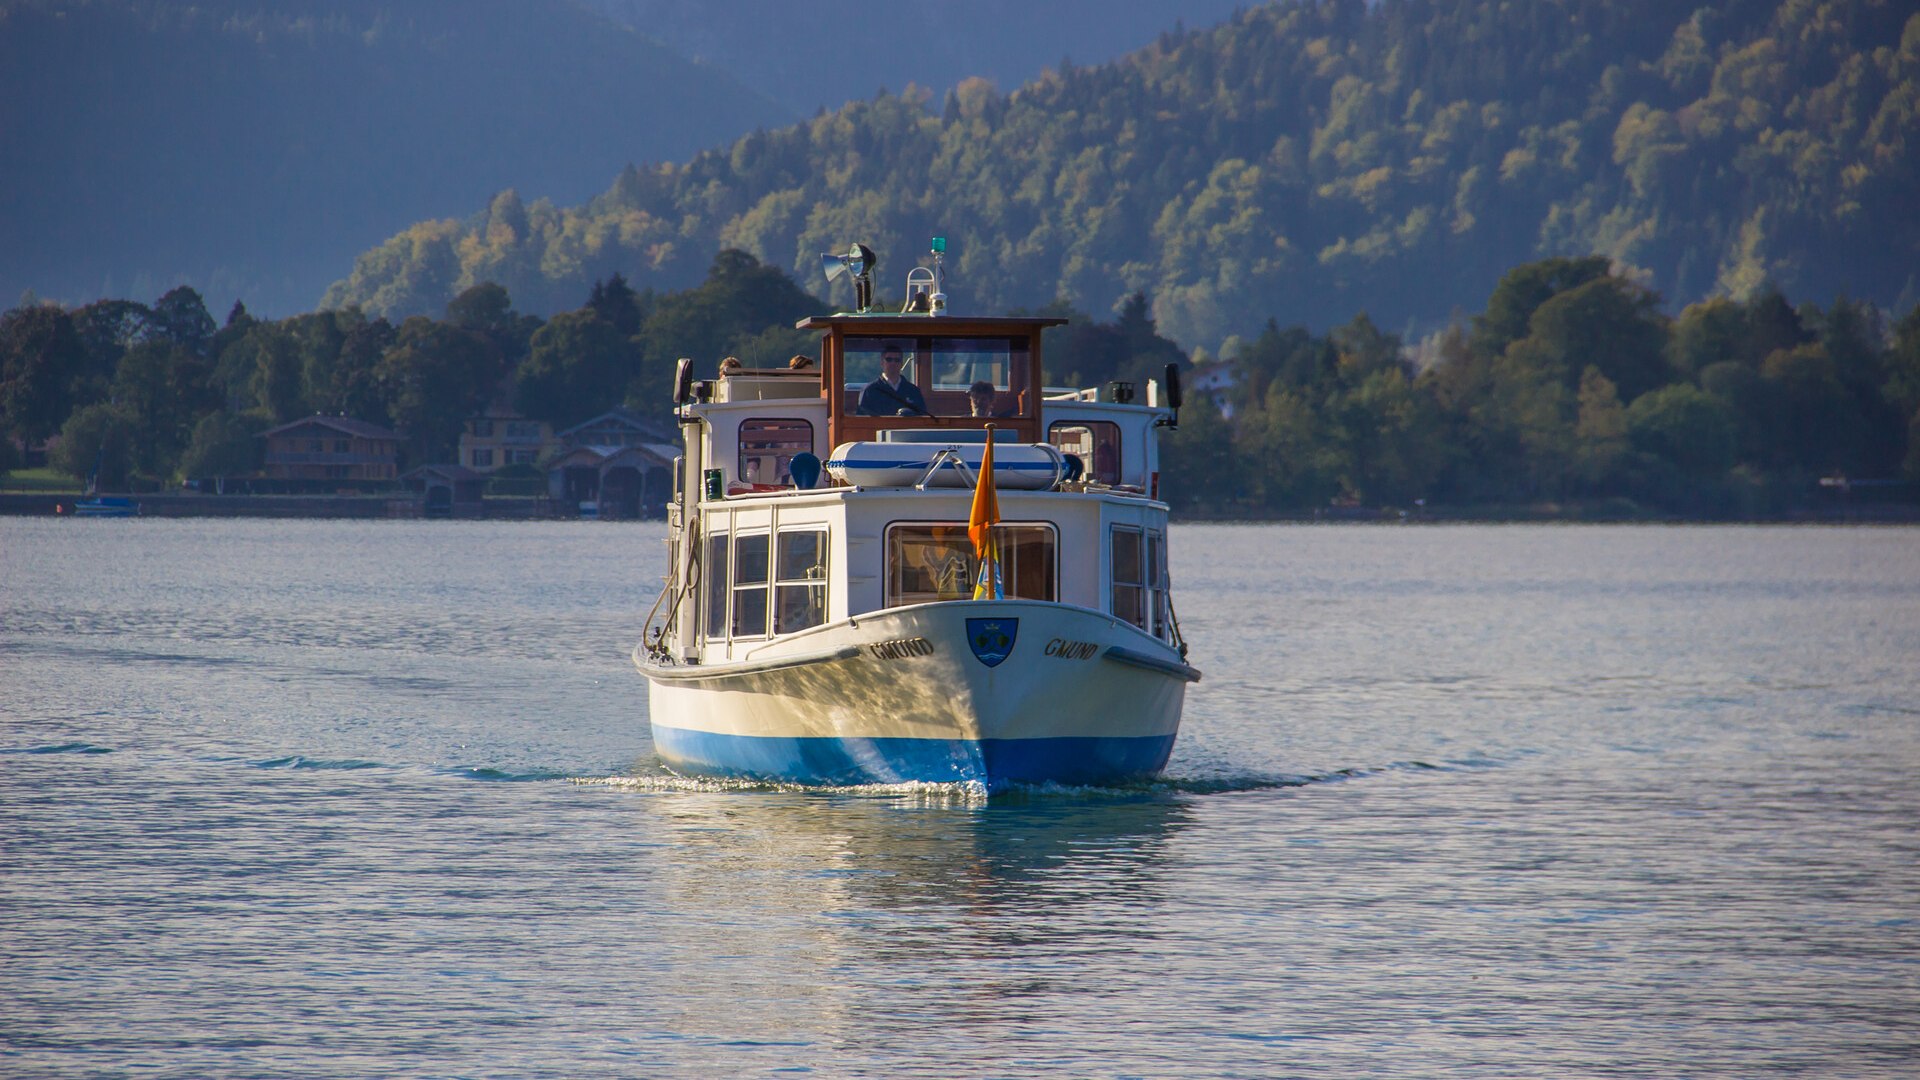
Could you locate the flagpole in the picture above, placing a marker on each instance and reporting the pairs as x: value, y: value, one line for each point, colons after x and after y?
x: 980, y: 522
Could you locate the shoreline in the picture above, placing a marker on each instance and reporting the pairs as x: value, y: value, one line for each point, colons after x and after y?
x: 507, y: 508
x: 402, y: 506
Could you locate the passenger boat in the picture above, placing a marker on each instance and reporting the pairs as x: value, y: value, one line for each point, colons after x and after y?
x: 931, y: 595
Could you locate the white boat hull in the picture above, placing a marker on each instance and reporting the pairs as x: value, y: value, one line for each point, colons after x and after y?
x: 924, y: 693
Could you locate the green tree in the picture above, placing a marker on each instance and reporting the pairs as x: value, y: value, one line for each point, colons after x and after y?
x: 1387, y: 435
x: 580, y: 365
x: 1608, y: 324
x: 1902, y: 385
x: 264, y: 369
x: 223, y: 444
x: 1817, y: 424
x: 96, y: 445
x: 1685, y: 426
x: 1600, y: 433
x: 107, y: 328
x: 720, y: 317
x: 1710, y: 332
x: 39, y: 348
x: 1752, y: 400
x: 615, y: 301
x: 436, y: 376
x: 1521, y: 291
x: 162, y: 390
x: 487, y: 311
x: 180, y: 318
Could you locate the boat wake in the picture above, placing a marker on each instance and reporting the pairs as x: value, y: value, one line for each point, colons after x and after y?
x: 300, y: 762
x: 653, y: 777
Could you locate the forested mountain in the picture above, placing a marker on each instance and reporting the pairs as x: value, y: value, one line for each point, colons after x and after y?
x: 813, y: 54
x: 1301, y: 161
x: 252, y: 149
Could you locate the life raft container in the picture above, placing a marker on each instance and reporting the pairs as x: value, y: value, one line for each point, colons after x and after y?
x: 1026, y: 466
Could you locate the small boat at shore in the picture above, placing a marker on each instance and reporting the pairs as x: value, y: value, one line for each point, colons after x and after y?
x: 969, y: 588
x: 106, y: 506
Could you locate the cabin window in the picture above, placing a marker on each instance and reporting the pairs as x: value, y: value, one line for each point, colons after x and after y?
x: 934, y: 561
x: 800, y: 580
x: 1095, y: 442
x: 1159, y: 608
x: 715, y: 590
x: 1139, y: 560
x: 750, y: 585
x: 767, y: 448
x: 944, y: 369
x: 1129, y: 585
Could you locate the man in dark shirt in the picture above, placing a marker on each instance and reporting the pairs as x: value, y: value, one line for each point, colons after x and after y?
x: 892, y: 394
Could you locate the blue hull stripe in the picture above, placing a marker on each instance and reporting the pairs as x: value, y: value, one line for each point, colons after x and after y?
x: 993, y: 762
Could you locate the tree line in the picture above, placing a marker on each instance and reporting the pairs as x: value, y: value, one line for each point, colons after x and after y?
x: 149, y: 395
x: 1299, y: 159
x: 1571, y: 384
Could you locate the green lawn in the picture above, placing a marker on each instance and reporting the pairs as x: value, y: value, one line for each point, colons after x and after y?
x: 36, y: 480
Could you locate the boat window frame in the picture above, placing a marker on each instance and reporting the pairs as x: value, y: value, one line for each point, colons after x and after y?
x: 821, y: 583
x: 927, y: 352
x: 891, y: 597
x: 1136, y: 583
x: 782, y: 457
x: 764, y: 586
x: 1115, y: 437
x: 716, y: 584
x: 1149, y: 581
x: 1159, y: 592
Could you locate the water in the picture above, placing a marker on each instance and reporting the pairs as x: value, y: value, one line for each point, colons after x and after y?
x: 325, y: 799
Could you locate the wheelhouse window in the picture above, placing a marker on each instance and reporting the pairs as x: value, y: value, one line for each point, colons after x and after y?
x: 930, y: 561
x: 1095, y: 442
x: 767, y: 448
x: 800, y: 579
x: 750, y: 585
x: 948, y: 372
x: 1139, y: 561
x: 714, y: 591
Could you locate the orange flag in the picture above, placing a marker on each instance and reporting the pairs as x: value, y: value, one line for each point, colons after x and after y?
x: 980, y: 523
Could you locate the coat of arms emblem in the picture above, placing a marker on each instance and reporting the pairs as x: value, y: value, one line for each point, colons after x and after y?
x: 992, y: 639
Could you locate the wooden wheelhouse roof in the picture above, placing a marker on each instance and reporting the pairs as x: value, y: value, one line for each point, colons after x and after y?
x: 910, y: 325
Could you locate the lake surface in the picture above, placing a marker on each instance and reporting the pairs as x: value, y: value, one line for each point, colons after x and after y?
x: 328, y: 799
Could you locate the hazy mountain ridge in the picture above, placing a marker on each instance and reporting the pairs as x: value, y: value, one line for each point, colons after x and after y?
x: 1301, y: 161
x: 252, y: 149
x: 810, y: 54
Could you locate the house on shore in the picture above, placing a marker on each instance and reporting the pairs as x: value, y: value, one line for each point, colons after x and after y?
x: 500, y: 436
x: 448, y: 491
x: 616, y: 465
x: 330, y: 453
